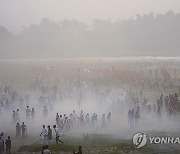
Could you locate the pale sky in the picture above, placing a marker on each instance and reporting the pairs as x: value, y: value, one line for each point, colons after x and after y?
x: 17, y: 13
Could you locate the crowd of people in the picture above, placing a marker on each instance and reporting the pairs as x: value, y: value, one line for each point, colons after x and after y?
x: 5, y: 144
x: 131, y: 105
x: 65, y: 122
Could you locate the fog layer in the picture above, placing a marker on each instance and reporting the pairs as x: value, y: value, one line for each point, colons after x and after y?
x: 154, y: 35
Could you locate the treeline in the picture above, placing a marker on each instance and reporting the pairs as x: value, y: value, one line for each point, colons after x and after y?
x: 147, y: 35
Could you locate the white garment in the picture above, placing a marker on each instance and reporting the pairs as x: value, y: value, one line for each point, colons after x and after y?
x: 75, y: 116
x: 56, y: 131
x: 17, y: 116
x: 44, y: 132
x: 28, y: 112
x: 61, y: 121
x: 46, y: 151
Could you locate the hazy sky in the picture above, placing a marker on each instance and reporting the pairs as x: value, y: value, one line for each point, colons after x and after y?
x: 17, y: 13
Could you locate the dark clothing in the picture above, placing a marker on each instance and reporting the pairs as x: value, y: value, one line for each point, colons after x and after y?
x: 8, y: 146
x: 58, y: 140
x: 24, y: 131
x: 8, y: 143
x: 49, y: 135
x: 1, y: 146
x: 78, y: 152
